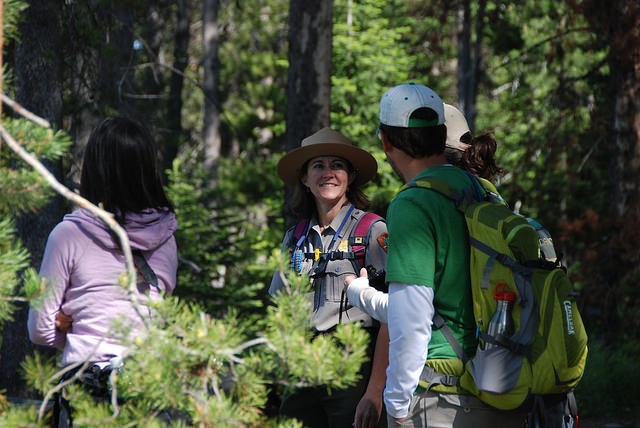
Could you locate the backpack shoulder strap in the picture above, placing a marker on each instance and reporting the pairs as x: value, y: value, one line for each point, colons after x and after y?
x: 365, y: 223
x: 433, y: 183
x: 475, y: 192
x: 360, y: 237
x: 298, y: 232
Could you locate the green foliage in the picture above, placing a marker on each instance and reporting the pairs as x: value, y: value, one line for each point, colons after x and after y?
x: 228, y: 232
x: 21, y: 191
x: 22, y: 188
x: 542, y: 91
x: 369, y: 57
x: 13, y: 259
x: 254, y: 65
x: 41, y: 142
x: 611, y: 384
x: 11, y: 17
x: 541, y: 110
x: 208, y: 370
x: 39, y: 371
x: 224, y: 248
x: 253, y: 71
x: 300, y: 359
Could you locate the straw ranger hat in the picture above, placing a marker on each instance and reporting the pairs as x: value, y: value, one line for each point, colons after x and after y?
x: 326, y: 142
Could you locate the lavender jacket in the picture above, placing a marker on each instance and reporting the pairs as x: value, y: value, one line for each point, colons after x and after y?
x: 82, y: 265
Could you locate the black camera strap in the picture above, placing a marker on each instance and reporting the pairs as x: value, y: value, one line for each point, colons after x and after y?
x: 148, y: 274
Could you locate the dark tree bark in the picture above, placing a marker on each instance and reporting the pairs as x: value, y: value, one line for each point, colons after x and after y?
x: 97, y: 67
x: 38, y: 88
x: 176, y: 82
x: 625, y: 84
x: 309, y: 84
x: 309, y: 79
x: 469, y: 56
x: 624, y: 61
x: 618, y: 23
x: 211, y: 138
x: 149, y: 96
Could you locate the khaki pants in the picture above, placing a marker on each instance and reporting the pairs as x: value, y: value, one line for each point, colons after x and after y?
x: 434, y: 410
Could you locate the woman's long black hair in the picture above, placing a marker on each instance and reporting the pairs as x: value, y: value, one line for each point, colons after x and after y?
x: 120, y: 168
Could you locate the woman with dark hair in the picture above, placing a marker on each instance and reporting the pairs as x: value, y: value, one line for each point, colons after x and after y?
x: 473, y: 154
x: 83, y: 261
x: 120, y: 169
x: 327, y: 173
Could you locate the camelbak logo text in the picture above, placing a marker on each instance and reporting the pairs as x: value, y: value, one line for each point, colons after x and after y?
x: 568, y: 313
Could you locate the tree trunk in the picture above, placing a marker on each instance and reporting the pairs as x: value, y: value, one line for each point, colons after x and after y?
x: 469, y: 56
x: 176, y: 82
x: 464, y: 56
x: 624, y: 62
x: 149, y: 92
x: 99, y: 75
x: 309, y: 84
x: 309, y: 79
x: 211, y: 139
x: 38, y: 88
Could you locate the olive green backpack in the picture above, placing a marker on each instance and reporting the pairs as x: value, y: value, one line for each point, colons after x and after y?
x: 547, y: 352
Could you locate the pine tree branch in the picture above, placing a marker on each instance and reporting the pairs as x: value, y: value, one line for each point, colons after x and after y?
x: 24, y: 112
x: 14, y: 299
x: 49, y: 395
x: 82, y: 367
x: 253, y: 342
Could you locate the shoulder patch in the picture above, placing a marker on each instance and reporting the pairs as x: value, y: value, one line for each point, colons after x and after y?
x: 382, y: 240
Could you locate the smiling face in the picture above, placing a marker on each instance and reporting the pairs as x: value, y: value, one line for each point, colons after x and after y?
x: 328, y: 178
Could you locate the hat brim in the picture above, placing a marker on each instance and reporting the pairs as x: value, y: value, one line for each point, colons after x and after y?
x: 291, y: 164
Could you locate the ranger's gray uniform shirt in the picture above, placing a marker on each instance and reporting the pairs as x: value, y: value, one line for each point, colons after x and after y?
x: 327, y: 289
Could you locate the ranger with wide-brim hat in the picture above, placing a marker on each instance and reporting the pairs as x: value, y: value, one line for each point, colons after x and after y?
x: 327, y: 142
x: 333, y: 237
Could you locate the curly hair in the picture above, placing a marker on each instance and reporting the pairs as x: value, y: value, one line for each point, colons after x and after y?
x: 479, y: 159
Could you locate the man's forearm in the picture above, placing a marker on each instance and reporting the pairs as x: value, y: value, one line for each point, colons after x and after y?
x: 410, y: 312
x: 367, y: 298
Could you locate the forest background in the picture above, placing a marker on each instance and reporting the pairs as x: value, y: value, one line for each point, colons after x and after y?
x: 227, y: 87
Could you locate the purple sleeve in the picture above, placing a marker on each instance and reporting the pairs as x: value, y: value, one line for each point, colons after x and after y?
x: 55, y: 272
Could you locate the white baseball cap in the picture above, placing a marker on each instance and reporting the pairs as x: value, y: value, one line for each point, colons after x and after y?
x: 399, y: 102
x: 456, y: 127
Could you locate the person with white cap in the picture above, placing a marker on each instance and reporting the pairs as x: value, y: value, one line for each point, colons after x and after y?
x: 327, y: 173
x: 427, y: 270
x: 475, y: 154
x: 458, y: 132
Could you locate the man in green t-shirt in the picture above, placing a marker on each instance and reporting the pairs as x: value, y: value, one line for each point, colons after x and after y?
x: 427, y: 269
